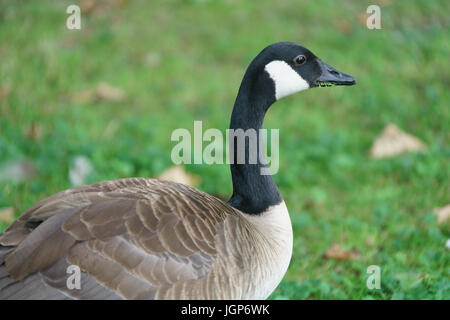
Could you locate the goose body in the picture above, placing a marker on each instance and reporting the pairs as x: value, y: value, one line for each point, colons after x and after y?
x: 140, y: 238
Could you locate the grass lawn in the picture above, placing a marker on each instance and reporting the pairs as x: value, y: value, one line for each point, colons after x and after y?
x: 180, y: 61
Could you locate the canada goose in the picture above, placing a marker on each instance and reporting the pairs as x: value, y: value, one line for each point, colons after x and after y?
x: 142, y: 238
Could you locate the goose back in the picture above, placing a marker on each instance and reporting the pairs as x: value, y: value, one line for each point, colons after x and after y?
x: 141, y: 239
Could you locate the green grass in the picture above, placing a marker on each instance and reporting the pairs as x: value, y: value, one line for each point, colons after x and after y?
x: 180, y: 61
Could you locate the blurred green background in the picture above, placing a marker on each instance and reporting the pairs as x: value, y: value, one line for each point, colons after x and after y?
x: 173, y: 62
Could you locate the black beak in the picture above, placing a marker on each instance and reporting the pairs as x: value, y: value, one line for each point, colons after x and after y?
x: 330, y: 76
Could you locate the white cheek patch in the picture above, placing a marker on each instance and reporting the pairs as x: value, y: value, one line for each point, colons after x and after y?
x: 286, y: 80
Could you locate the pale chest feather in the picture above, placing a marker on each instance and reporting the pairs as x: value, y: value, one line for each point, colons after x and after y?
x: 253, y: 254
x: 267, y: 249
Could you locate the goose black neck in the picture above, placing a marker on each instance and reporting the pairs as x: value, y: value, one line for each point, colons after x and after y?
x: 253, y: 192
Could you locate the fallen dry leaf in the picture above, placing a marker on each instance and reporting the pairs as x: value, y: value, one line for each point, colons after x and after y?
x: 394, y: 141
x: 123, y: 3
x: 88, y: 6
x: 85, y: 96
x: 97, y: 7
x: 80, y: 170
x: 103, y: 92
x: 362, y: 18
x: 337, y: 253
x: 107, y: 92
x: 178, y: 174
x: 7, y: 214
x: 343, y: 26
x: 18, y: 171
x: 4, y: 92
x: 443, y: 214
x: 34, y: 131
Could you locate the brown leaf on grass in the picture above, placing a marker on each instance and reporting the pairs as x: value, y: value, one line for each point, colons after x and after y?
x: 394, y: 141
x: 18, y: 171
x: 337, y: 253
x: 178, y: 174
x: 443, y: 214
x: 97, y: 7
x: 7, y: 214
x: 88, y: 6
x: 4, y: 92
x: 80, y: 170
x: 123, y: 3
x: 85, y: 96
x: 107, y: 92
x: 343, y: 26
x: 362, y: 18
x: 33, y: 131
x: 103, y: 92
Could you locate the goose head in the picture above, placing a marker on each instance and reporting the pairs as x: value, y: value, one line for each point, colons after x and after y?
x: 291, y: 68
x: 279, y: 70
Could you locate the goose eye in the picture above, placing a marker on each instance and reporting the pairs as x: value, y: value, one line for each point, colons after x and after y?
x: 299, y: 60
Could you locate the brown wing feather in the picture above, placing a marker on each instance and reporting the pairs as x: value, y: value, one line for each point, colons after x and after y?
x: 132, y: 238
